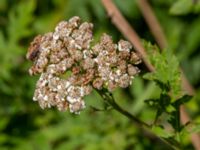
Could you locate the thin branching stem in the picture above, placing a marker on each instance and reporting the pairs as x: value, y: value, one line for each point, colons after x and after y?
x: 109, y: 98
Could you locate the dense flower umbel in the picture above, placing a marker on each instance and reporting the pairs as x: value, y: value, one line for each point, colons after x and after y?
x: 70, y: 67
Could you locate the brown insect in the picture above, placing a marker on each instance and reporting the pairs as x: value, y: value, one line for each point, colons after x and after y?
x: 34, y: 49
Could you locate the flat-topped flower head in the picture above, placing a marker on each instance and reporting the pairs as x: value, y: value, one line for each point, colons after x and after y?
x: 70, y: 67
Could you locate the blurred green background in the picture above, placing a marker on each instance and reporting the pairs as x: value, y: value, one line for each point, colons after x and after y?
x: 24, y: 126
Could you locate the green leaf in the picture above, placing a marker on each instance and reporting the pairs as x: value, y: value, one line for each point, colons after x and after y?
x: 182, y: 100
x: 161, y: 104
x: 170, y: 109
x: 181, y: 7
x: 167, y: 74
x: 20, y: 18
x: 161, y: 132
x: 152, y: 102
x: 174, y: 119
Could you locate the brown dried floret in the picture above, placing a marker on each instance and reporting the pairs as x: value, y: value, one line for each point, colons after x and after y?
x: 76, y: 70
x: 132, y: 70
x: 111, y: 85
x: 124, y: 46
x: 124, y: 81
x: 98, y: 83
x: 135, y: 58
x: 88, y: 63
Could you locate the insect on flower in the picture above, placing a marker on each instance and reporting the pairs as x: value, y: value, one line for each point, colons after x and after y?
x: 34, y: 49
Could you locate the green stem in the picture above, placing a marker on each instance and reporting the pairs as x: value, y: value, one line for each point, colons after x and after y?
x: 112, y: 102
x: 108, y: 98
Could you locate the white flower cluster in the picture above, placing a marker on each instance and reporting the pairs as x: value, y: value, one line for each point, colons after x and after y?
x: 70, y: 67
